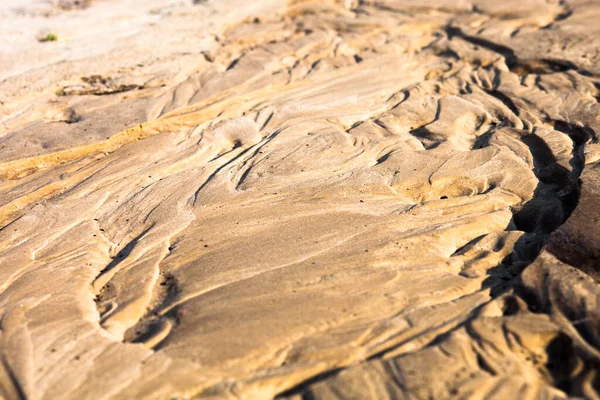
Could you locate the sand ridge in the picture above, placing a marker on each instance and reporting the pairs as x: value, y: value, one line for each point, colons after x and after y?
x: 311, y: 199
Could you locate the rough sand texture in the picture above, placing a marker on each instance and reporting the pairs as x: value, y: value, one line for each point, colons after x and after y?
x: 388, y: 199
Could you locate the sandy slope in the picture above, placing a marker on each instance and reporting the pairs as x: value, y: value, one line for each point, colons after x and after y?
x: 311, y: 199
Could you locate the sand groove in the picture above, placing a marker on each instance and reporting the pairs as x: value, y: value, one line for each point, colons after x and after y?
x: 318, y: 199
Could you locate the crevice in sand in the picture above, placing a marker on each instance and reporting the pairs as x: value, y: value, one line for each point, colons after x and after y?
x: 11, y: 389
x: 154, y: 327
x: 515, y: 64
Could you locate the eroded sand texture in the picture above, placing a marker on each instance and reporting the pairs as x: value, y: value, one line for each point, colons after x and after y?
x: 304, y: 199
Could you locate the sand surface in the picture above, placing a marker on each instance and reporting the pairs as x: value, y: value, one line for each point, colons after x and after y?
x: 375, y: 199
